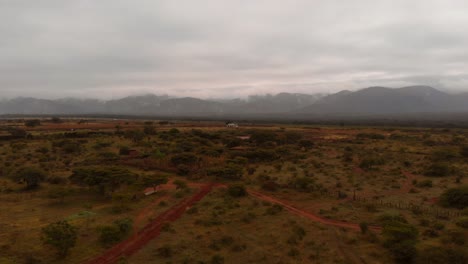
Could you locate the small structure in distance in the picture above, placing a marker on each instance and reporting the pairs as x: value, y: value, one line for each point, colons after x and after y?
x: 232, y: 124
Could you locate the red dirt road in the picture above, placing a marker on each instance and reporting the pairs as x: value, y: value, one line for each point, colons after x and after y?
x: 313, y: 217
x: 153, y: 229
x: 149, y: 232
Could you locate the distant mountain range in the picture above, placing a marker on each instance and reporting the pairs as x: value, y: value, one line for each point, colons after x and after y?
x: 368, y: 101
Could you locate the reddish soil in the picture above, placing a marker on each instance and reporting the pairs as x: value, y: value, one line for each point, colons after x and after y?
x: 146, y: 212
x: 310, y: 216
x: 433, y: 200
x: 153, y: 229
x: 150, y: 231
x: 358, y: 170
x: 408, y: 184
x: 405, y: 187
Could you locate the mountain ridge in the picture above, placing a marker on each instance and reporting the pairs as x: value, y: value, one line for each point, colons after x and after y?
x: 371, y: 100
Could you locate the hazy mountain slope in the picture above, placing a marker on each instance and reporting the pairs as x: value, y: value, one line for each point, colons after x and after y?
x: 280, y: 103
x: 189, y: 106
x: 135, y: 104
x: 382, y: 100
x: 368, y: 101
x: 25, y: 105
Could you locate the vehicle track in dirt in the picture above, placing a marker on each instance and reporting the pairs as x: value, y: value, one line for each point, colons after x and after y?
x: 150, y: 231
x: 139, y: 239
x: 308, y: 215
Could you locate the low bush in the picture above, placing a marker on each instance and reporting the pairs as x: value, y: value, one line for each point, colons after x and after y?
x: 462, y: 222
x: 455, y: 197
x: 237, y: 190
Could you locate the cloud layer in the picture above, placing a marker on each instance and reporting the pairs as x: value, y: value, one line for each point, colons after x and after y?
x: 212, y: 48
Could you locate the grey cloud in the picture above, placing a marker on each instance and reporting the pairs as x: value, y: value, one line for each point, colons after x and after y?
x: 227, y: 48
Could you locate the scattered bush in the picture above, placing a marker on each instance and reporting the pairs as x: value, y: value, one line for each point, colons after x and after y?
x: 462, y: 222
x: 274, y: 209
x: 60, y: 235
x: 371, y: 162
x: 364, y: 227
x: 442, y: 255
x: 464, y: 151
x: 184, y: 158
x: 370, y: 136
x: 230, y: 171
x: 165, y: 251
x: 439, y: 169
x: 237, y: 190
x: 104, y: 179
x: 455, y: 197
x: 400, y: 238
x: 32, y: 176
x: 424, y: 184
x: 114, y: 233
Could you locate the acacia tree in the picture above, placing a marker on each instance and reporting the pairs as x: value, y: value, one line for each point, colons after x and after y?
x: 32, y: 176
x: 60, y: 235
x: 105, y: 179
x: 154, y: 181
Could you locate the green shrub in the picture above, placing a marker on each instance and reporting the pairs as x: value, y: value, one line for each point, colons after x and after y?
x: 462, y: 222
x: 274, y: 209
x: 455, y: 197
x: 370, y: 136
x: 217, y: 259
x: 124, y: 150
x: 303, y: 184
x: 444, y: 155
x: 371, y: 162
x: 60, y: 235
x: 464, y: 151
x: 364, y: 227
x: 114, y: 233
x: 230, y: 171
x: 442, y: 255
x: 237, y: 190
x: 400, y: 239
x: 165, y: 251
x: 32, y: 176
x: 424, y: 184
x: 439, y: 169
x: 403, y: 252
x: 184, y: 158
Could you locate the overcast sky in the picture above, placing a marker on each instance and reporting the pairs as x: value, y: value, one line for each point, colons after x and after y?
x: 221, y: 48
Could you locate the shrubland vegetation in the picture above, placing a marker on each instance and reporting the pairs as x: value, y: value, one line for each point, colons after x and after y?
x: 77, y: 187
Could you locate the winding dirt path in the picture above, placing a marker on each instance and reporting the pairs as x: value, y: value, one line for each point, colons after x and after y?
x: 313, y: 217
x: 153, y: 229
x: 150, y: 231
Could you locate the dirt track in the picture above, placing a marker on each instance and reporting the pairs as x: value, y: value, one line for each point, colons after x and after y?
x: 149, y: 232
x: 310, y: 216
x: 153, y: 229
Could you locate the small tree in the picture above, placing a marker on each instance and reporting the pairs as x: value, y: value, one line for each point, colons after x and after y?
x: 104, y: 179
x: 180, y: 184
x: 237, y: 190
x: 306, y: 144
x: 56, y: 120
x: 17, y: 132
x: 116, y: 232
x: 364, y: 227
x: 32, y: 176
x: 455, y: 197
x: 439, y: 169
x: 149, y: 129
x: 60, y: 235
x: 400, y: 239
x: 58, y: 194
x: 464, y: 151
x: 154, y: 180
x: 32, y: 122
